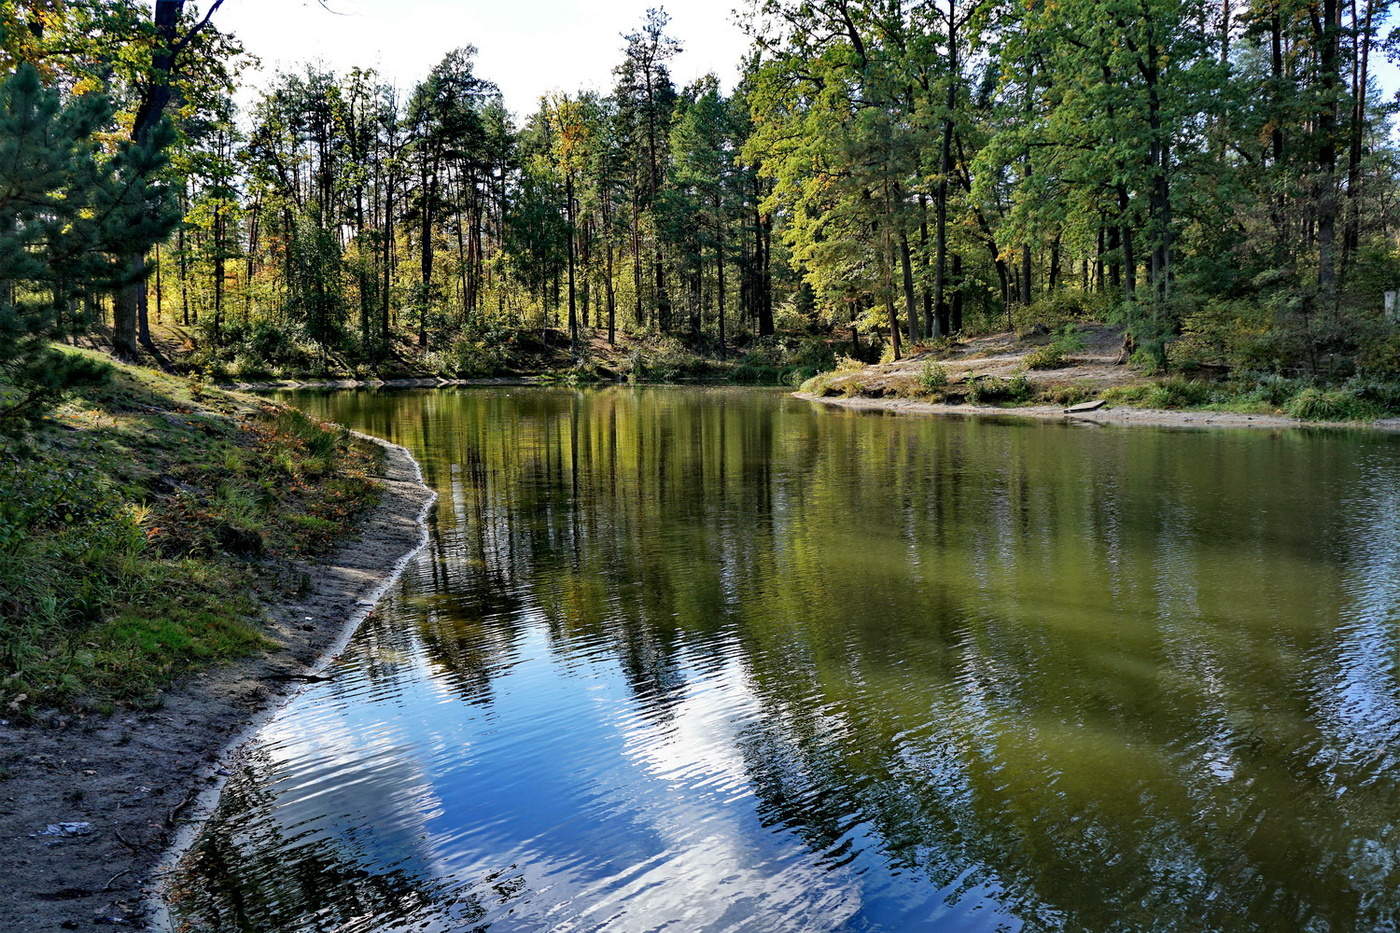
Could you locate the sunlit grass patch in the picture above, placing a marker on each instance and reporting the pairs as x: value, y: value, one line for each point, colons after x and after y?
x: 137, y: 524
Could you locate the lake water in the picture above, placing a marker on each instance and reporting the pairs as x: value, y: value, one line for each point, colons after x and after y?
x: 705, y: 659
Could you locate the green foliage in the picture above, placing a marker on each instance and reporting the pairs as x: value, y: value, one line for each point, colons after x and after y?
x: 67, y: 212
x: 783, y: 361
x: 991, y: 390
x: 125, y: 532
x: 1053, y: 354
x: 1171, y: 392
x: 1380, y: 357
x: 484, y: 348
x: 1064, y: 309
x: 933, y: 377
x: 1314, y: 404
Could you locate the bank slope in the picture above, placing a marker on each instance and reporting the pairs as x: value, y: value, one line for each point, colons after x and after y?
x: 176, y: 559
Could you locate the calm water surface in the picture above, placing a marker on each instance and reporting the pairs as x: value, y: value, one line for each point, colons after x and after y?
x: 693, y: 659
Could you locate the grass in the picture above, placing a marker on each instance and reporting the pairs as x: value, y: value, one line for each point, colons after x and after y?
x: 1314, y: 404
x: 991, y: 390
x: 1171, y: 393
x: 139, y: 526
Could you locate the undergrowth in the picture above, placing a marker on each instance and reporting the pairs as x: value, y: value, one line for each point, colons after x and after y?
x: 137, y: 524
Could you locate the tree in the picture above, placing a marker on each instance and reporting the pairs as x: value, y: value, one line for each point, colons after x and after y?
x: 170, y: 44
x: 69, y: 214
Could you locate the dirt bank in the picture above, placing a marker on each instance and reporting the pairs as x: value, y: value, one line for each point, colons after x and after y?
x: 90, y: 807
x: 1107, y: 415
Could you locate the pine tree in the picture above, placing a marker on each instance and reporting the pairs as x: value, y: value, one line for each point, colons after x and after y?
x: 68, y: 211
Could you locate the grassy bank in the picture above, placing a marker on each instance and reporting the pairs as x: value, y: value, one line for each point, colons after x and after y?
x: 1085, y: 364
x: 140, y: 524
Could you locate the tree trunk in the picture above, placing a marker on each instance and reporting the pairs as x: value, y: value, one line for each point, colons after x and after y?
x: 1329, y: 78
x: 909, y: 306
x: 955, y: 322
x: 719, y: 271
x: 571, y: 234
x: 945, y: 167
x: 887, y: 289
x: 932, y: 326
x: 425, y: 258
x: 131, y: 298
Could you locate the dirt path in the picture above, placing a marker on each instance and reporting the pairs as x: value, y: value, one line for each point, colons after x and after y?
x: 1145, y: 416
x: 130, y: 787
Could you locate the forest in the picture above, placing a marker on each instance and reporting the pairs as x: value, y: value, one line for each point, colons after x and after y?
x: 365, y: 562
x: 1218, y: 180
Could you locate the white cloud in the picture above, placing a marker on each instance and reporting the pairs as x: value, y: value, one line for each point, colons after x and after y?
x: 528, y: 47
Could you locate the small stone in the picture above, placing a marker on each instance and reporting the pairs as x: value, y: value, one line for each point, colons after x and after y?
x: 77, y: 828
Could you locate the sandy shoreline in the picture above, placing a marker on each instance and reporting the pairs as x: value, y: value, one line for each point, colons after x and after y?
x: 1154, y: 417
x: 144, y: 780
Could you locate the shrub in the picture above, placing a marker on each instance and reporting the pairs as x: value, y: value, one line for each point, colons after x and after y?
x: 483, y: 350
x: 1314, y: 404
x: 1358, y: 399
x: 992, y: 390
x: 1053, y: 355
x: 1380, y: 358
x: 1270, y: 389
x: 1385, y: 396
x: 1167, y: 393
x: 1067, y: 394
x: 933, y: 377
x: 1065, y: 306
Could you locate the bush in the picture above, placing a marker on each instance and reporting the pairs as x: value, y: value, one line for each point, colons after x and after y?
x: 1269, y: 389
x: 1054, y: 354
x: 933, y: 377
x: 1314, y: 404
x: 1385, y: 396
x: 783, y: 361
x: 992, y: 390
x: 1380, y: 358
x: 1046, y: 357
x: 1359, y: 399
x: 1065, y: 394
x: 1167, y: 393
x: 1066, y: 306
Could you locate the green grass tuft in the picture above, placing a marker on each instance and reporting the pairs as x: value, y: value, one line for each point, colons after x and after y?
x: 134, y: 528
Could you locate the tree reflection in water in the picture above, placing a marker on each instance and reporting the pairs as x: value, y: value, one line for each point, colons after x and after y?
x: 712, y: 657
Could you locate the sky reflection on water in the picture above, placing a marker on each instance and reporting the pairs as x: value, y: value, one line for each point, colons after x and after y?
x: 702, y: 659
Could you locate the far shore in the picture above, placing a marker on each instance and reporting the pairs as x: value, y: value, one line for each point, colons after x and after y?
x: 1152, y: 417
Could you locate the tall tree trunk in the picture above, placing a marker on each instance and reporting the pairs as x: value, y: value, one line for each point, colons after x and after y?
x: 425, y: 257
x: 1329, y: 78
x: 887, y: 290
x: 955, y: 317
x: 906, y: 267
x: 639, y: 313
x: 160, y: 291
x: 932, y: 326
x: 1361, y: 52
x: 762, y: 297
x: 611, y: 297
x: 571, y: 233
x: 131, y: 298
x: 945, y: 168
x: 385, y: 337
x: 219, y: 223
x: 719, y: 270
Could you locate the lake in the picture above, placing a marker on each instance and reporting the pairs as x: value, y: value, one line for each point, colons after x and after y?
x: 720, y: 659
